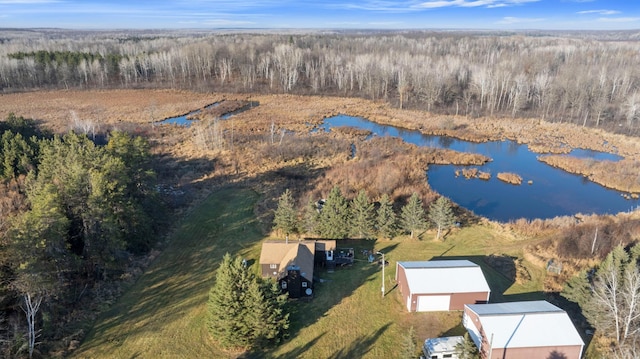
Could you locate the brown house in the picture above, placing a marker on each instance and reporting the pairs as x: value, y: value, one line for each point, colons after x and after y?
x: 292, y: 264
x: 441, y: 285
x: 533, y: 329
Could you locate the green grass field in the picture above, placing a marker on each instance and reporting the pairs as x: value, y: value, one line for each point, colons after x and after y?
x: 163, y: 314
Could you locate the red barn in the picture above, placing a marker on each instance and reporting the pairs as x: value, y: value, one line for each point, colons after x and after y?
x: 441, y: 285
x: 532, y: 329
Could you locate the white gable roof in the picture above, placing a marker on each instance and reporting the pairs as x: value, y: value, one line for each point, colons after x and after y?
x: 444, y: 276
x: 526, y: 324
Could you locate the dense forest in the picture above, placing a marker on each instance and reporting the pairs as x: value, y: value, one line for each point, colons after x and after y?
x: 76, y: 210
x: 73, y: 214
x: 585, y: 78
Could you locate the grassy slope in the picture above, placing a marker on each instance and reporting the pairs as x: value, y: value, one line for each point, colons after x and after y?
x: 163, y: 314
x: 350, y: 319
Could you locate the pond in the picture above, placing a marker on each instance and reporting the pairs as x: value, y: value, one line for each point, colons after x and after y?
x: 552, y: 192
x: 187, y: 119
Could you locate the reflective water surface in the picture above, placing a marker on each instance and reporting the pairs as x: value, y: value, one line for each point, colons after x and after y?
x: 552, y: 192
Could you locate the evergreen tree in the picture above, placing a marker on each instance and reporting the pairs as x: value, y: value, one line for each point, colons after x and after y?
x: 17, y: 155
x: 362, y: 211
x: 227, y: 304
x: 245, y: 312
x: 408, y: 347
x: 267, y: 315
x: 286, y: 218
x: 412, y: 216
x: 609, y: 296
x: 467, y: 349
x: 386, y: 219
x: 39, y: 256
x: 335, y: 216
x: 441, y: 214
x: 311, y: 217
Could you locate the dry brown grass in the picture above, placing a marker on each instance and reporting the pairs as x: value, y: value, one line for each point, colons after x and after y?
x: 623, y: 175
x: 473, y: 172
x: 508, y: 177
x: 311, y: 163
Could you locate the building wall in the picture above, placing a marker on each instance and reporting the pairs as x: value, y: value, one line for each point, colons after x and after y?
x: 401, y: 280
x: 458, y: 300
x: 550, y: 352
x: 267, y: 271
x: 564, y: 352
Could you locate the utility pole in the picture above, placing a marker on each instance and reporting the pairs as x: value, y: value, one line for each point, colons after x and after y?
x: 383, y: 264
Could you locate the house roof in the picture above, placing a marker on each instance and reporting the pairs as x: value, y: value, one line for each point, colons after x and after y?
x: 526, y: 324
x: 443, y: 344
x: 442, y: 276
x: 287, y: 254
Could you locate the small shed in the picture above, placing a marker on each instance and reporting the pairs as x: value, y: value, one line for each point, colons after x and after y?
x: 441, y: 348
x: 441, y: 285
x: 530, y: 329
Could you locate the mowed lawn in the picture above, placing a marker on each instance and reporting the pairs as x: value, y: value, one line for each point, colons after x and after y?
x: 164, y: 314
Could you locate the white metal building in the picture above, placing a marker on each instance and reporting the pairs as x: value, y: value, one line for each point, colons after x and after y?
x: 532, y: 329
x: 441, y: 285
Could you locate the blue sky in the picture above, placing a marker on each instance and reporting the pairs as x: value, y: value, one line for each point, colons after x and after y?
x: 346, y: 14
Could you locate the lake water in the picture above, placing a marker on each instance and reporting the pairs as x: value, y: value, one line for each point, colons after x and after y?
x: 185, y: 121
x: 553, y: 192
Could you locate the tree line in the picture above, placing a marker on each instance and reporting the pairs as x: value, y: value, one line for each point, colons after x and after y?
x: 340, y: 218
x: 609, y: 298
x: 574, y: 78
x: 77, y: 213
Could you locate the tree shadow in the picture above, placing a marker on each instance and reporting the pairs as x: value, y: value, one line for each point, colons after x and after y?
x: 292, y: 354
x: 459, y: 329
x: 556, y: 355
x: 360, y: 346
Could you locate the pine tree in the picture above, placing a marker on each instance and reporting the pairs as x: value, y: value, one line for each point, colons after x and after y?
x: 227, y: 305
x: 609, y: 296
x: 267, y: 317
x: 335, y: 216
x: 412, y: 216
x: 245, y: 312
x: 311, y: 217
x: 386, y: 219
x: 408, y: 347
x: 441, y: 214
x: 467, y: 348
x: 362, y: 211
x: 286, y: 218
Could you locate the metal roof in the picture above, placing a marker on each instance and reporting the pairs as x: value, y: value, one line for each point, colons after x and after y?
x: 509, y: 308
x: 439, y: 264
x: 444, y: 277
x: 512, y: 325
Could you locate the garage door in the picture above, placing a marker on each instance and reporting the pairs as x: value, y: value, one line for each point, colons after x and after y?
x: 432, y: 303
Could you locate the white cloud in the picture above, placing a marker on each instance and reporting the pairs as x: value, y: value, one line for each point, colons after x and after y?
x: 599, y: 12
x: 471, y: 3
x: 227, y: 22
x: 619, y: 19
x: 509, y: 20
x: 27, y: 2
x: 416, y: 5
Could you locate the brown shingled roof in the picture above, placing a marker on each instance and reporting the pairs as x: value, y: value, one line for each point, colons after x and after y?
x: 299, y: 253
